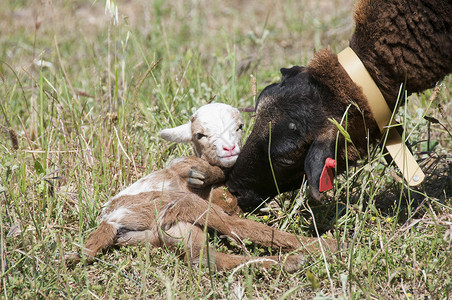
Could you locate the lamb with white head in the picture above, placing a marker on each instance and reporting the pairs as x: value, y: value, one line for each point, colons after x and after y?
x: 216, y: 132
x: 170, y: 206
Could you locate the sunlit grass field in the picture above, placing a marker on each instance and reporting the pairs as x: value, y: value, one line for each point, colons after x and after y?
x: 87, y: 85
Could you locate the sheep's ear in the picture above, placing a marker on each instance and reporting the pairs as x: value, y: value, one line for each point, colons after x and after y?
x: 318, y: 152
x: 291, y: 72
x: 179, y: 134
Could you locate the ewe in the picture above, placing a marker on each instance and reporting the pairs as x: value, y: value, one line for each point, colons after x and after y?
x: 396, y: 42
x: 172, y: 205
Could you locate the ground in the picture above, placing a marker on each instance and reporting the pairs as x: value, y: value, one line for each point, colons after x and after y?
x: 87, y: 85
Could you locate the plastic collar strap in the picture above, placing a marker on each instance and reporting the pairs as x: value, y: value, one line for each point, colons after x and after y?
x: 400, y: 153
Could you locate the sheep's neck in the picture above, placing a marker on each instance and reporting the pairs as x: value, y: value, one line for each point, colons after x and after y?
x: 358, y: 73
x: 382, y: 115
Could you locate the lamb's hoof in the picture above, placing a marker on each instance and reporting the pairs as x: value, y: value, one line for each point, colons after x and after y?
x: 71, y: 259
x: 196, y: 178
x: 294, y: 263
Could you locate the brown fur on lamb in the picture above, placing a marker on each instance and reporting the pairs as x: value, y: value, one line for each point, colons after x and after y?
x: 399, y: 42
x: 171, y: 206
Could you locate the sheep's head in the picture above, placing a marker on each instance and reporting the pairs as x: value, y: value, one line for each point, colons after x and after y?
x: 298, y: 111
x: 215, y: 130
x: 298, y: 142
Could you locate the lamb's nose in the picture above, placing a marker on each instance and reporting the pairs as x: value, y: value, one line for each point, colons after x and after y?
x: 229, y: 149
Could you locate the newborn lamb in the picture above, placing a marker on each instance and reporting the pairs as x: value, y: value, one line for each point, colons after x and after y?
x: 172, y: 205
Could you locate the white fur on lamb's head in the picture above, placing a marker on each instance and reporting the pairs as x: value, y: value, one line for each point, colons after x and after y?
x: 216, y: 131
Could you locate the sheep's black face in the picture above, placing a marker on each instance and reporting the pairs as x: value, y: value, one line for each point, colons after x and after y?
x: 288, y: 118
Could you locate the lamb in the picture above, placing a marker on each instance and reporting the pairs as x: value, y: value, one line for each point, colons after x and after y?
x: 172, y: 205
x: 399, y: 42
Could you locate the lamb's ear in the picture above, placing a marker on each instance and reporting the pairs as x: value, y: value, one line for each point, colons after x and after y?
x: 318, y: 152
x: 179, y: 134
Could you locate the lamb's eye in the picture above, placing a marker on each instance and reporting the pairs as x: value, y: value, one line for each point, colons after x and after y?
x: 199, y: 136
x: 240, y: 127
x: 292, y: 126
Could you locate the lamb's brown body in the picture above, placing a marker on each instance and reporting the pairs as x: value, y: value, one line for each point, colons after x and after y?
x: 174, y: 205
x: 178, y: 213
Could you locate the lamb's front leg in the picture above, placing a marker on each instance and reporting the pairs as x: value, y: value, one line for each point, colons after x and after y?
x: 267, y: 236
x: 201, y: 174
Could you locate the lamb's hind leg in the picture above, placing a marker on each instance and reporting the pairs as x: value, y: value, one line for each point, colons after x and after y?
x: 195, y: 210
x: 130, y: 237
x: 100, y: 238
x: 192, y: 238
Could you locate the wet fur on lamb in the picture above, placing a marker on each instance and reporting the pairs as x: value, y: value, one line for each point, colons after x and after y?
x: 164, y: 209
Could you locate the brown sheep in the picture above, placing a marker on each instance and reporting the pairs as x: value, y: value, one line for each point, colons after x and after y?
x: 399, y: 42
x: 173, y: 205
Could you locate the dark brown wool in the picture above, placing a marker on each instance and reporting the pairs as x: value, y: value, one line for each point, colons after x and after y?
x: 400, y: 42
x: 404, y: 41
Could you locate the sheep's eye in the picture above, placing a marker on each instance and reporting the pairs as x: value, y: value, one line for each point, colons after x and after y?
x: 199, y: 136
x: 292, y: 126
x: 240, y: 127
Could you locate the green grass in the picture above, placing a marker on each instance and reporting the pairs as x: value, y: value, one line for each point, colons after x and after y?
x: 82, y: 124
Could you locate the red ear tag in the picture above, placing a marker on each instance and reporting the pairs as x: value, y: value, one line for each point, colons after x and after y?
x: 326, y: 178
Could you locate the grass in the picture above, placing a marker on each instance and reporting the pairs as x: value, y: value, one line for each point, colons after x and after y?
x: 82, y: 100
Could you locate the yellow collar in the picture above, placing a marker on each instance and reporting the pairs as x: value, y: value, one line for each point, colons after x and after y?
x: 382, y: 115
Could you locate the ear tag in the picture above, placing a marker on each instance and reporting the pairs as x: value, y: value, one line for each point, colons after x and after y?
x: 326, y: 178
